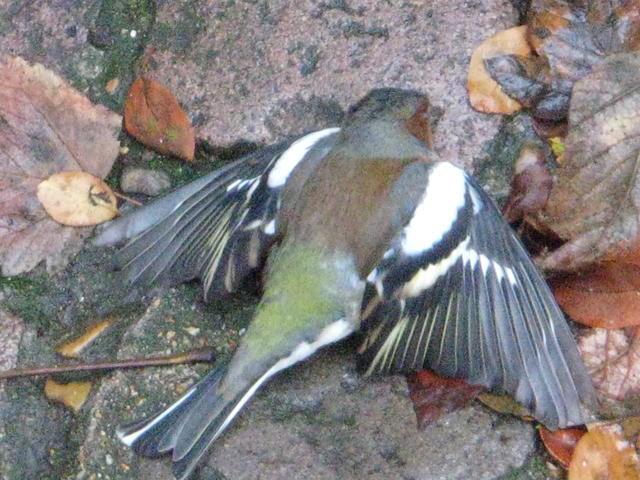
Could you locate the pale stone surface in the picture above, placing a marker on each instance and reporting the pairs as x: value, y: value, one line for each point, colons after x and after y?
x: 259, y: 70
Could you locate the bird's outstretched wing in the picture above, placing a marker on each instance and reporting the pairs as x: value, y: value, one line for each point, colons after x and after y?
x: 217, y: 228
x: 457, y: 293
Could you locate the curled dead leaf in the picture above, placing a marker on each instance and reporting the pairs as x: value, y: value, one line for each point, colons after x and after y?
x: 485, y: 93
x: 77, y: 199
x: 573, y: 36
x: 154, y: 117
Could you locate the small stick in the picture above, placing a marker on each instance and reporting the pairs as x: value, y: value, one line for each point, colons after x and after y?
x: 127, y: 199
x: 199, y: 355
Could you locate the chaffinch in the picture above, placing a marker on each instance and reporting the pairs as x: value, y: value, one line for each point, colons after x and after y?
x: 358, y: 228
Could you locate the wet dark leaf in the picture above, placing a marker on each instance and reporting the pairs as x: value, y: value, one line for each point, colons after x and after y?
x: 509, y: 72
x: 576, y: 36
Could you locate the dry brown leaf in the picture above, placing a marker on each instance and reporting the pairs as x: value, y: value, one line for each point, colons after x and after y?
x: 73, y: 348
x: 77, y: 199
x: 154, y: 117
x: 485, y: 94
x: 72, y: 395
x: 595, y: 202
x: 47, y: 127
x: 603, y: 454
x: 612, y: 357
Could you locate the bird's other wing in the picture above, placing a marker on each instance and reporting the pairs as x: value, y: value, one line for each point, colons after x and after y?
x: 456, y: 292
x: 217, y: 228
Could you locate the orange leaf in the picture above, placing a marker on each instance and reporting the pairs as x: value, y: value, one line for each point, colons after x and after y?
x: 607, y: 296
x: 485, y: 94
x: 77, y: 199
x: 561, y: 443
x: 154, y: 117
x: 602, y: 453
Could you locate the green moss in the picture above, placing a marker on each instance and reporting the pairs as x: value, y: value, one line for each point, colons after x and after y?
x: 18, y: 284
x: 125, y: 26
x: 28, y: 298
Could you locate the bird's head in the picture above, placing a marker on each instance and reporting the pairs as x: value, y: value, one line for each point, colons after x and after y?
x: 409, y: 108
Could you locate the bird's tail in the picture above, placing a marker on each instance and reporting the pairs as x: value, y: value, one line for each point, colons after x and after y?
x: 190, y: 425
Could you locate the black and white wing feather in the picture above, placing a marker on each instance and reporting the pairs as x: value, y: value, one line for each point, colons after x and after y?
x: 217, y: 228
x: 457, y: 293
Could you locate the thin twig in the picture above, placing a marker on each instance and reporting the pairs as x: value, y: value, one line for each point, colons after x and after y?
x: 206, y: 355
x: 127, y: 199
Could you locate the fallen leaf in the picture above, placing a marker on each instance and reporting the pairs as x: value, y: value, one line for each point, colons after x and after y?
x: 603, y: 454
x: 530, y: 185
x: 612, y: 358
x: 485, y: 93
x: 561, y: 443
x: 434, y: 396
x: 505, y: 404
x: 605, y: 296
x: 47, y: 127
x: 575, y: 36
x: 72, y: 395
x: 73, y: 348
x: 77, y: 199
x: 562, y: 33
x: 594, y: 204
x: 154, y: 117
x: 517, y: 77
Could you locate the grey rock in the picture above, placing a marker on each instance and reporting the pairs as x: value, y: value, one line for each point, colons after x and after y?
x: 146, y: 181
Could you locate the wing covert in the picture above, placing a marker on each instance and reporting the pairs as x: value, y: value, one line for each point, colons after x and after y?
x: 457, y: 293
x: 218, y: 228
